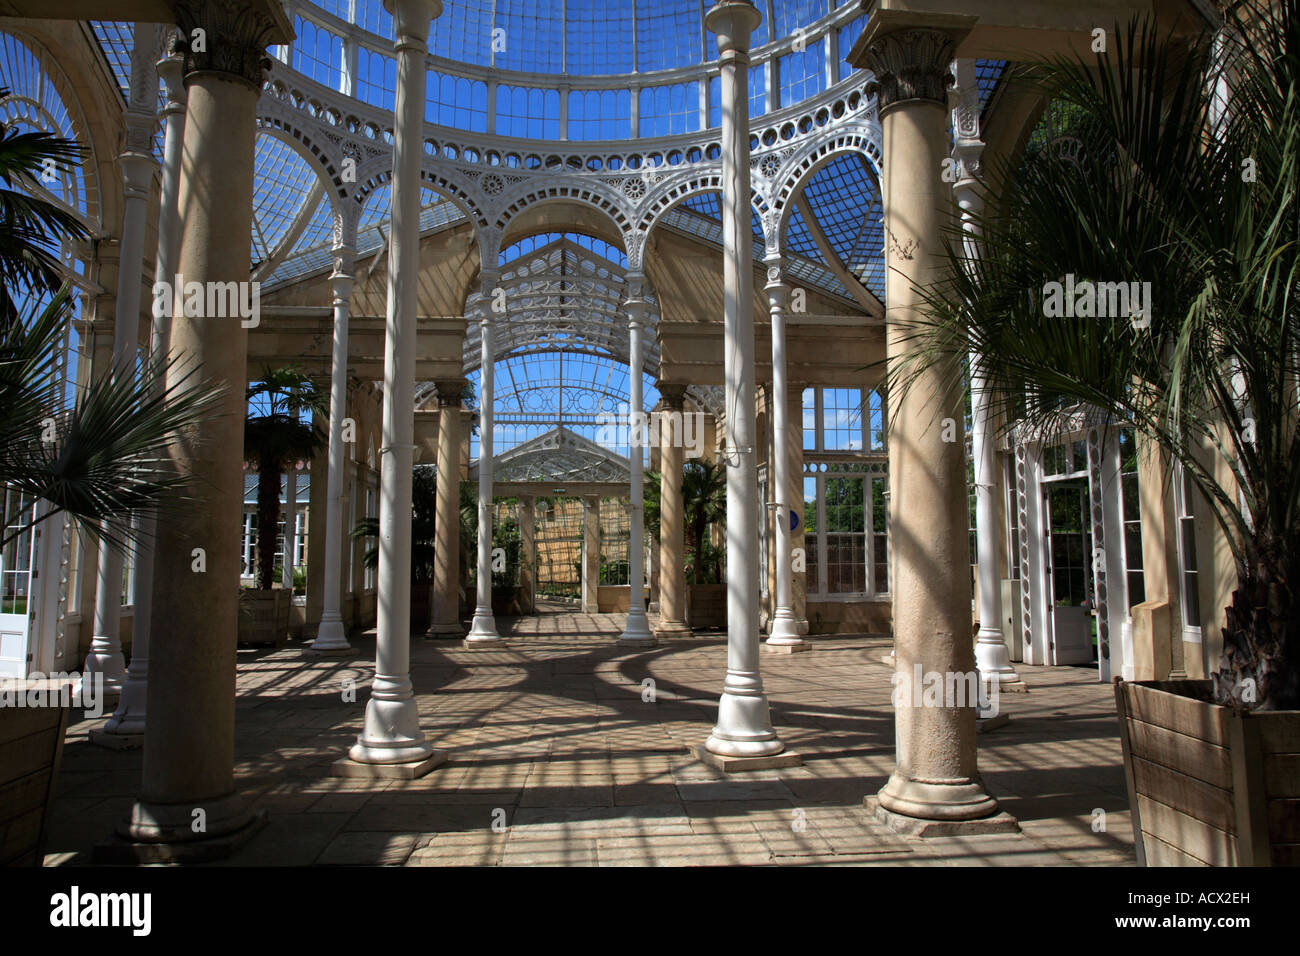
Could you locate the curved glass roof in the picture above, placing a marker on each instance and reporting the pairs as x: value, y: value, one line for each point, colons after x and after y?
x: 581, y: 37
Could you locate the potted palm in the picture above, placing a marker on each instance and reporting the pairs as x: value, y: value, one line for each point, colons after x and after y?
x: 1170, y: 182
x: 275, y: 436
x: 704, y: 503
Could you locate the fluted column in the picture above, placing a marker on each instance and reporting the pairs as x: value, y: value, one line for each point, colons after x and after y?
x: 672, y: 520
x: 187, y: 792
x: 483, y: 629
x: 636, y: 633
x: 331, y: 634
x: 744, y: 727
x: 991, y: 655
x: 936, y: 776
x: 138, y: 165
x: 126, y: 727
x: 446, y: 562
x: 785, y: 630
x: 392, y: 734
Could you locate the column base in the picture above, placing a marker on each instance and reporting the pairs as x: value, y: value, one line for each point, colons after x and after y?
x: 944, y: 800
x: 786, y: 647
x: 354, y: 769
x: 801, y: 625
x: 1000, y: 822
x: 126, y: 852
x: 112, y: 666
x: 673, y: 630
x: 786, y: 758
x: 483, y: 629
x: 331, y: 637
x: 744, y: 727
x: 637, y: 631
x: 176, y: 824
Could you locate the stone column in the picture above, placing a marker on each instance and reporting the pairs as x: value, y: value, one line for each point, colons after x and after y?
x: 126, y: 727
x: 483, y: 629
x: 991, y: 655
x: 936, y: 777
x: 331, y: 635
x: 590, y: 553
x: 187, y: 792
x: 637, y: 631
x: 528, y: 552
x: 446, y: 565
x: 672, y: 520
x: 138, y: 165
x: 785, y: 630
x: 392, y: 734
x: 744, y: 727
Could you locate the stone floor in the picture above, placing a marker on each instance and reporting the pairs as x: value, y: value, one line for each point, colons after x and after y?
x: 560, y: 754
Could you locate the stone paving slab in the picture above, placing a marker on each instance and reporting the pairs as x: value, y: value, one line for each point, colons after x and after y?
x: 556, y: 760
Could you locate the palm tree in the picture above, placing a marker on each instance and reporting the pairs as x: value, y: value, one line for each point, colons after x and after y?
x: 104, y: 456
x: 1161, y: 185
x: 652, y: 498
x: 704, y: 501
x: 274, y: 436
x: 424, y: 526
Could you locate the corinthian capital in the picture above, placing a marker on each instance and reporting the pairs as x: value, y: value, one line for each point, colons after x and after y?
x: 910, y: 55
x: 230, y: 36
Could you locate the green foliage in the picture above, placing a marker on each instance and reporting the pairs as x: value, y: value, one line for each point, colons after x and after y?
x: 424, y: 527
x: 276, y: 436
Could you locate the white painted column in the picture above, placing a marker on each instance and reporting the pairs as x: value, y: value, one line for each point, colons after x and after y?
x: 785, y: 629
x: 744, y: 727
x: 392, y: 732
x: 138, y: 165
x: 331, y: 635
x: 992, y: 659
x: 483, y: 629
x: 126, y: 727
x: 637, y: 631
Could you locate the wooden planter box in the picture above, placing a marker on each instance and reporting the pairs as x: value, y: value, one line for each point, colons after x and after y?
x: 264, y: 616
x: 707, y: 605
x: 31, y: 743
x: 1208, y: 786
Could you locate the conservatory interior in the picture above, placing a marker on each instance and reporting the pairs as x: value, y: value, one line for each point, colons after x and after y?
x: 583, y: 456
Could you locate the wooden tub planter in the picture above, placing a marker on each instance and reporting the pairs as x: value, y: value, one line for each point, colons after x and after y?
x: 1208, y: 786
x: 264, y: 616
x: 31, y: 743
